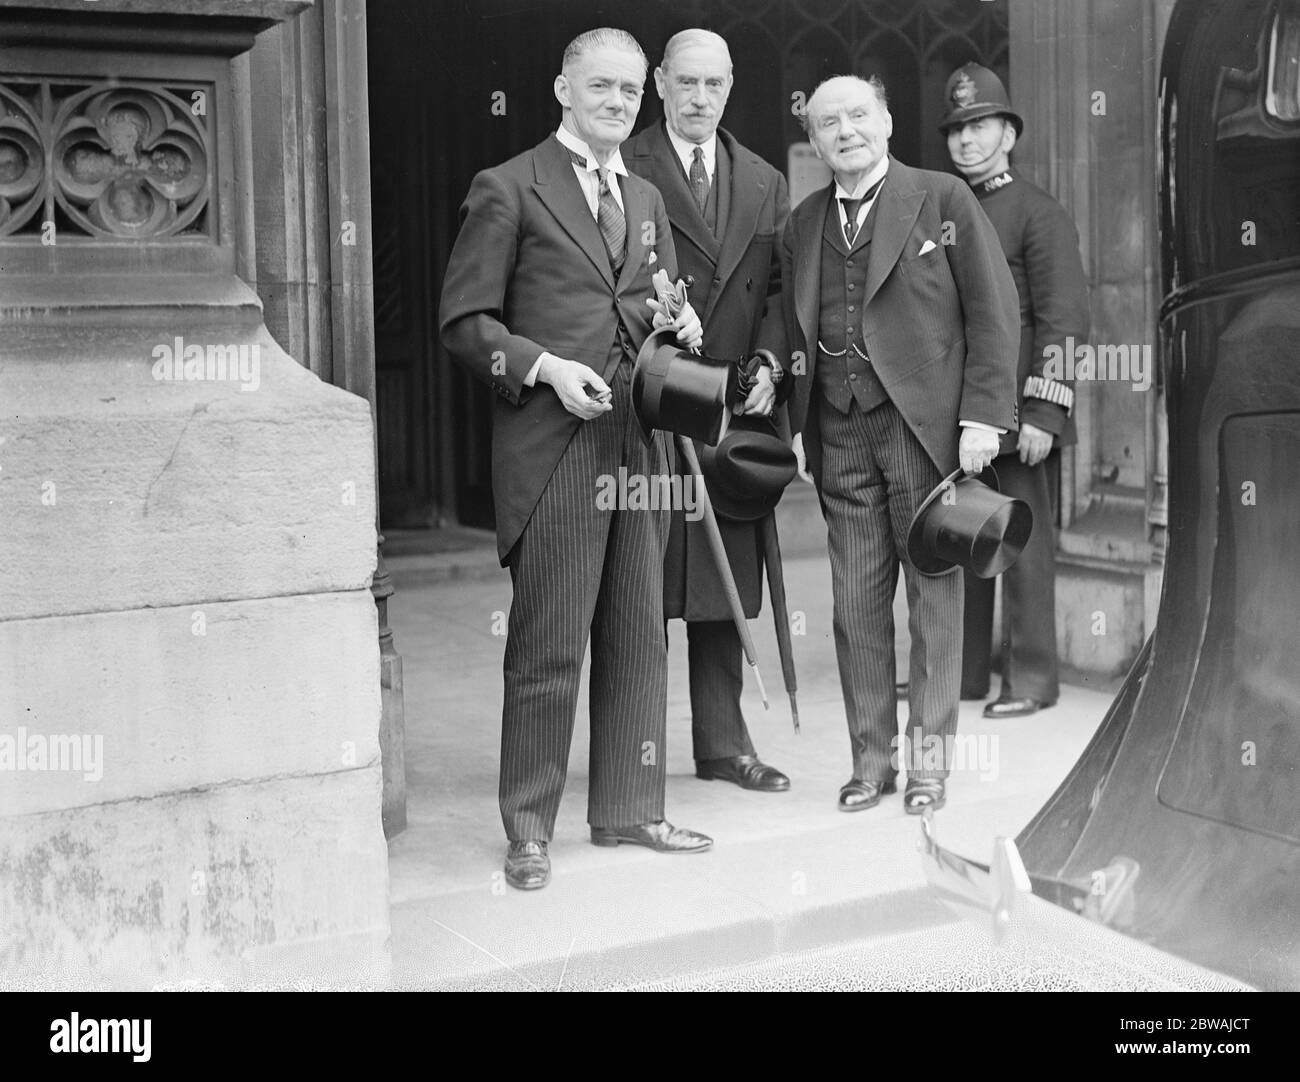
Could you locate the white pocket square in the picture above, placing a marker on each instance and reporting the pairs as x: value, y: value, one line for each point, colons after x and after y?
x: 928, y: 246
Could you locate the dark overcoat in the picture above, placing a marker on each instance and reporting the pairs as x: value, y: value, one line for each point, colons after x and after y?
x: 736, y: 285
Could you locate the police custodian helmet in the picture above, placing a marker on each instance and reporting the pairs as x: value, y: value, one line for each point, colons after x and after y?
x: 973, y: 92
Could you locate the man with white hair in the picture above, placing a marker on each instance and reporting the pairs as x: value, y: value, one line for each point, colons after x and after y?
x: 902, y: 305
x: 727, y: 207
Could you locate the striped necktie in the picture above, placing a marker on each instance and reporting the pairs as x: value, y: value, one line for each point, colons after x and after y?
x: 609, y: 216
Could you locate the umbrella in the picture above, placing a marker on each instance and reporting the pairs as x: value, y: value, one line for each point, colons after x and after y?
x: 780, y: 613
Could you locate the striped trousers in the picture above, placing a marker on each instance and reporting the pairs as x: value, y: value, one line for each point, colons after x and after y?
x: 582, y: 572
x: 874, y: 475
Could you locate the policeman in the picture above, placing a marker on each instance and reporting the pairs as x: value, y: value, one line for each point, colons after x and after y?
x: 1042, y: 247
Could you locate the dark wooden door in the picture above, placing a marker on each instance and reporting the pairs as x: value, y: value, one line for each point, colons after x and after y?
x: 434, y: 421
x: 404, y: 329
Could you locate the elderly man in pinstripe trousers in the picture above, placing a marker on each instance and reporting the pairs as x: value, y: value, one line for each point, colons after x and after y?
x: 899, y: 298
x: 545, y: 300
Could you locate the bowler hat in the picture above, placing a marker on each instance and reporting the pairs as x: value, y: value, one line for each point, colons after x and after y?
x: 973, y: 92
x: 965, y: 522
x: 679, y: 391
x: 748, y: 470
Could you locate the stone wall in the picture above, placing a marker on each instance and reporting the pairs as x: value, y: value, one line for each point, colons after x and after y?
x: 189, y: 664
x: 1084, y: 75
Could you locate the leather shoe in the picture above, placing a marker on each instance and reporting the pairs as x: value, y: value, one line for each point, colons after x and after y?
x: 745, y: 770
x: 923, y: 793
x: 528, y: 865
x: 859, y: 795
x: 1014, y: 708
x: 661, y: 836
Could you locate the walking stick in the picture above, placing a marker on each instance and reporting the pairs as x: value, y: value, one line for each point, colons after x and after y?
x: 724, y: 567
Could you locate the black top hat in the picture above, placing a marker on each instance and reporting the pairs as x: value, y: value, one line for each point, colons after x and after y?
x: 748, y: 470
x: 965, y: 522
x: 973, y: 92
x: 679, y: 391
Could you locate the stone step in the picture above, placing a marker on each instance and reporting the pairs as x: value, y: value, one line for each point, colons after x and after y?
x: 788, y: 871
x: 637, y: 916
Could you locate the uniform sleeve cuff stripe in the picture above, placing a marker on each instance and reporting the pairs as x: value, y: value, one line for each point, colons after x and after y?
x: 1050, y: 391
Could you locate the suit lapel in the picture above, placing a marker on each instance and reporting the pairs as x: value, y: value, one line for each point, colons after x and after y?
x: 747, y: 195
x: 678, y: 201
x: 636, y: 212
x: 833, y: 231
x: 808, y: 272
x: 896, y: 211
x: 866, y: 230
x: 558, y: 189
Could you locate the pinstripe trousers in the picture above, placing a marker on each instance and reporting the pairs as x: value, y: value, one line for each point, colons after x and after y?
x: 874, y: 475
x: 584, y: 573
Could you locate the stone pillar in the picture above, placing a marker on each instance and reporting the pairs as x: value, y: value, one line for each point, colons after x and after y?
x: 1084, y: 76
x: 189, y: 668
x: 311, y: 174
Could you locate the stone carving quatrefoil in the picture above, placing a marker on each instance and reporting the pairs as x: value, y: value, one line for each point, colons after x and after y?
x: 22, y: 164
x: 128, y: 162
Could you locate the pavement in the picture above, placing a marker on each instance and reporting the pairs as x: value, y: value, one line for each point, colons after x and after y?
x: 789, y: 875
x: 1067, y: 955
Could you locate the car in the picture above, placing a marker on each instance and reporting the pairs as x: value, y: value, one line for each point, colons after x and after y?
x: 1180, y: 823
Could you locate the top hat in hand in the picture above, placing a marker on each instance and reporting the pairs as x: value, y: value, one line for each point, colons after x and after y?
x: 680, y: 391
x: 965, y: 523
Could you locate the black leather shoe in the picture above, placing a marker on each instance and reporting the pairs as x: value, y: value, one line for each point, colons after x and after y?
x: 528, y: 865
x: 745, y: 770
x: 1014, y: 708
x: 922, y: 793
x: 859, y: 795
x: 660, y: 836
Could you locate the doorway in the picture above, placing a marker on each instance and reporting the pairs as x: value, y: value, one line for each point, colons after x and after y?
x: 460, y: 85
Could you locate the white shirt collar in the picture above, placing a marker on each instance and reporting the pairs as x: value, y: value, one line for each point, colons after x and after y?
x: 572, y: 142
x: 866, y: 182
x: 686, y: 151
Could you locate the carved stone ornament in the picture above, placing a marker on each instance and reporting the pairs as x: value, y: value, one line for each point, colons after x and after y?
x: 22, y: 163
x: 125, y: 160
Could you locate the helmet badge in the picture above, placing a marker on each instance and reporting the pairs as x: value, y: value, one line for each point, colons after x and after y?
x: 963, y: 93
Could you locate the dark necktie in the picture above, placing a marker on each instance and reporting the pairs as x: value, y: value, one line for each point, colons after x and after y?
x: 851, y: 208
x: 699, y: 179
x: 609, y: 216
